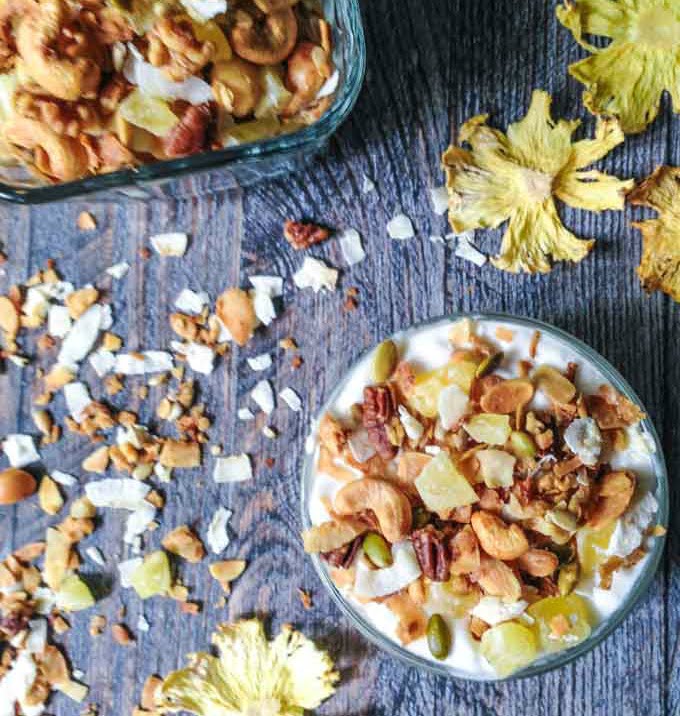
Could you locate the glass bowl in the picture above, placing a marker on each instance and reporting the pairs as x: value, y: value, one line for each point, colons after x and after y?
x: 606, y: 626
x: 223, y: 168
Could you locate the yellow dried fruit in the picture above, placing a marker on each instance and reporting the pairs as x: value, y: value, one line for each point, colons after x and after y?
x: 659, y: 268
x: 517, y: 176
x: 626, y: 77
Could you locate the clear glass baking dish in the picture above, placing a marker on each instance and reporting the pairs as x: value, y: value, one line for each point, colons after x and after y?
x: 225, y: 168
x: 604, y: 628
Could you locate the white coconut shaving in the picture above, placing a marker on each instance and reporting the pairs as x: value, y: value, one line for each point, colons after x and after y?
x: 245, y: 414
x: 493, y: 610
x: 117, y: 493
x: 119, y: 270
x: 350, y: 245
x: 204, y: 10
x: 200, y: 358
x: 329, y: 86
x: 16, y: 684
x: 102, y: 362
x: 126, y: 569
x: 413, y: 428
x: 584, y: 439
x: 400, y: 227
x: 59, y: 321
x: 261, y: 362
x: 372, y: 583
x: 20, y: 450
x: 453, y: 404
x: 36, y: 641
x: 465, y: 249
x: 138, y: 522
x: 81, y: 338
x: 271, y: 285
x: 172, y: 244
x: 233, y: 468
x: 360, y: 445
x: 315, y: 274
x: 440, y: 199
x: 78, y: 400
x: 141, y: 363
x: 263, y: 395
x: 191, y: 302
x: 263, y: 306
x: 367, y: 185
x: 218, y: 530
x: 143, y: 624
x: 63, y: 478
x: 436, y: 239
x: 94, y: 554
x: 291, y: 399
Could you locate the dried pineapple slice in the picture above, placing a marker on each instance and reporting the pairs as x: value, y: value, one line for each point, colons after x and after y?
x: 150, y: 113
x: 516, y: 177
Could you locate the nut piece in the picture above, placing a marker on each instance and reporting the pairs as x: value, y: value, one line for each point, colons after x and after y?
x: 15, y: 485
x: 98, y: 461
x: 332, y: 435
x: 538, y: 562
x: 180, y: 453
x: 389, y: 504
x: 183, y: 541
x: 615, y: 492
x: 264, y: 40
x: 507, y: 396
x: 122, y: 634
x: 235, y: 309
x: 498, y: 580
x: 497, y: 538
x: 49, y: 497
x: 554, y: 384
x: 332, y: 535
x: 301, y: 235
x: 227, y: 571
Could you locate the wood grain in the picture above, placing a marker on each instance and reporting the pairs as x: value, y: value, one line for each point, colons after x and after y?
x: 431, y: 65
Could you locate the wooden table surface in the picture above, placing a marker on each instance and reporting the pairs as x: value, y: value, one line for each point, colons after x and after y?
x: 431, y: 65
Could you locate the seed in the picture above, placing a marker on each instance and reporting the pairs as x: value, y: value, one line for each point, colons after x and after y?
x: 438, y: 637
x: 377, y: 550
x: 489, y: 364
x: 15, y: 485
x: 421, y: 517
x: 385, y: 361
x: 522, y: 444
x: 567, y: 578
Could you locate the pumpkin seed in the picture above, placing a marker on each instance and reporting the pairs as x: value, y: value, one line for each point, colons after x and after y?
x: 489, y: 364
x: 377, y: 550
x: 567, y: 578
x: 438, y: 637
x: 385, y: 361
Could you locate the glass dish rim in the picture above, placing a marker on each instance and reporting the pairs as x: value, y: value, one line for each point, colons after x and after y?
x: 558, y: 659
x: 226, y: 158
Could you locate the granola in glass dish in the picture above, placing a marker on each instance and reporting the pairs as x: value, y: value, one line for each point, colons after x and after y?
x: 481, y: 494
x: 93, y: 87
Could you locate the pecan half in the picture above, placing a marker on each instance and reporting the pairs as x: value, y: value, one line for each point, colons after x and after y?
x: 343, y: 557
x: 433, y: 550
x: 378, y: 410
x: 301, y: 235
x: 190, y: 134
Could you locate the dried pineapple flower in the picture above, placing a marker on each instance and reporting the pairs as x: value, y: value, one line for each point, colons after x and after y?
x: 659, y: 268
x: 252, y: 675
x: 516, y: 177
x: 626, y: 77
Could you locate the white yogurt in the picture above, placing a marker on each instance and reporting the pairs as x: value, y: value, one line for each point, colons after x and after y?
x: 428, y: 348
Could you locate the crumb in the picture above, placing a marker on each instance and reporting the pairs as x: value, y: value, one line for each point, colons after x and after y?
x: 297, y: 362
x: 350, y: 304
x: 192, y: 608
x: 305, y: 598
x: 86, y: 222
x: 122, y: 634
x: 269, y: 462
x: 288, y: 343
x: 145, y: 253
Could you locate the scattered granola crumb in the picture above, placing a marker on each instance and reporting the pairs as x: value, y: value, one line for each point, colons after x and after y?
x: 86, y: 222
x: 305, y: 598
x: 297, y: 362
x: 350, y: 304
x: 288, y: 343
x: 145, y: 253
x: 269, y: 462
x: 301, y: 235
x: 191, y: 608
x: 122, y: 635
x: 97, y: 625
x: 533, y: 346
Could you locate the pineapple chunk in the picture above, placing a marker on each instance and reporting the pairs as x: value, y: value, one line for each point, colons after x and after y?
x: 560, y: 622
x: 489, y: 428
x: 508, y: 647
x: 496, y: 467
x: 592, y: 546
x: 425, y: 394
x: 442, y: 487
x: 74, y: 595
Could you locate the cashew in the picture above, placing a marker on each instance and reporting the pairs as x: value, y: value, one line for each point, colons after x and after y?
x: 465, y: 552
x: 615, y: 492
x: 497, y: 538
x: 237, y: 86
x: 332, y: 535
x: 265, y: 40
x: 507, y: 396
x: 308, y: 68
x: 332, y: 435
x: 498, y: 580
x: 538, y: 562
x: 389, y: 504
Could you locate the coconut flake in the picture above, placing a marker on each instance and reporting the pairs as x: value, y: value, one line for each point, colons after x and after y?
x: 82, y: 337
x: 493, y: 610
x: 191, y: 302
x: 119, y: 270
x: 630, y: 528
x: 329, y: 86
x: 413, y: 428
x: 126, y: 569
x: 95, y: 555
x: 400, y: 227
x: 59, y: 321
x: 263, y: 395
x: 200, y: 358
x: 466, y: 250
x: 440, y: 199
x: 20, y: 450
x: 360, y: 445
x: 368, y: 185
x: 204, y: 10
x: 117, y: 493
x: 263, y: 307
x: 233, y: 468
x: 291, y: 399
x: 436, y: 239
x: 78, y: 400
x: 261, y: 362
x: 63, y: 478
x: 224, y: 334
x: 316, y: 275
x: 372, y: 583
x: 271, y: 285
x: 141, y: 363
x: 107, y: 318
x: 153, y: 81
x: 218, y: 533
x: 584, y: 439
x: 102, y: 362
x: 36, y: 641
x: 245, y: 414
x: 171, y: 244
x: 350, y: 245
x: 138, y: 521
x: 16, y: 684
x: 143, y: 624
x: 452, y: 404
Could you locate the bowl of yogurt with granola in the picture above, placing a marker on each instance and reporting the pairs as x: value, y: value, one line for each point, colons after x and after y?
x: 484, y: 496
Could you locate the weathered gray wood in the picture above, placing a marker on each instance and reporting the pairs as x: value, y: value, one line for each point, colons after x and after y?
x: 431, y: 65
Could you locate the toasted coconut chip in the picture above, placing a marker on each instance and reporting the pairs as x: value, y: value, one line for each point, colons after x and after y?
x: 102, y: 361
x: 263, y: 307
x: 372, y: 583
x: 400, y: 227
x: 329, y: 86
x: 203, y: 10
x: 82, y: 336
x: 466, y: 250
x: 350, y: 245
x: 126, y: 569
x: 234, y: 468
x: 413, y: 428
x: 200, y: 358
x: 493, y: 610
x: 191, y: 302
x: 20, y: 450
x: 77, y: 400
x: 440, y: 199
x: 95, y: 555
x: 245, y: 414
x: 368, y: 185
x: 584, y: 439
x: 217, y: 536
x: 146, y: 362
x: 271, y: 285
x: 316, y: 275
x: 117, y: 493
x: 261, y: 362
x: 453, y: 404
x: 263, y: 395
x: 118, y: 270
x: 59, y: 321
x: 291, y: 399
x: 171, y: 244
x: 63, y: 478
